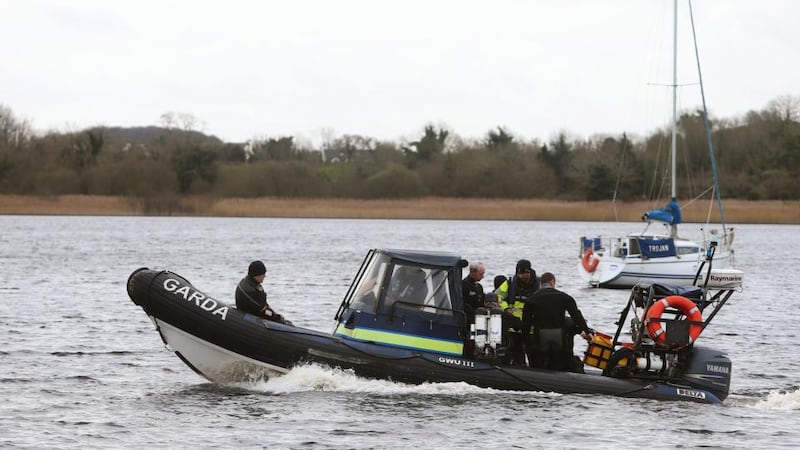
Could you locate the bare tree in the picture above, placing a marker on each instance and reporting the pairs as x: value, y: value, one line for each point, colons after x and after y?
x: 13, y: 132
x: 182, y: 121
x: 785, y: 107
x: 169, y: 120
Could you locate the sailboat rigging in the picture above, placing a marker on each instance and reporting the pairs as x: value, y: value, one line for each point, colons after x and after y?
x: 661, y: 257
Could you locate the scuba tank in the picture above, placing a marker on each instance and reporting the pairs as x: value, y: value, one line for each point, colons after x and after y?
x: 487, y: 332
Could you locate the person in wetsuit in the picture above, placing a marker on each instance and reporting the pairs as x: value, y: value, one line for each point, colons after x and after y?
x: 472, y: 290
x: 250, y: 295
x: 474, y: 298
x: 545, y: 311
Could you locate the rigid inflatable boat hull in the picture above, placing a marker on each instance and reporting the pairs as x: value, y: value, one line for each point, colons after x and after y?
x: 226, y: 345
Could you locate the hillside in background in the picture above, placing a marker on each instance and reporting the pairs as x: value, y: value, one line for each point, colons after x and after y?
x: 152, y: 134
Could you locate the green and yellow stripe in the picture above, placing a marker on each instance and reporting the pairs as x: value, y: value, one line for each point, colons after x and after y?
x: 404, y: 340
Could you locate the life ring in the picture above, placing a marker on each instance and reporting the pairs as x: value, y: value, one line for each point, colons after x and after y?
x: 589, y: 261
x: 686, y: 306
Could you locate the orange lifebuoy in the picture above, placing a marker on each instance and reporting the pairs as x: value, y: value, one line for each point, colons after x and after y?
x: 686, y: 306
x: 588, y: 260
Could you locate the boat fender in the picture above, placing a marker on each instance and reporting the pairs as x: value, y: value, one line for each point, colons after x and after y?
x: 589, y: 260
x: 686, y: 306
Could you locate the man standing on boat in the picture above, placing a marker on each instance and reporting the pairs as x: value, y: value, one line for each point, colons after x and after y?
x: 472, y: 289
x: 546, y: 310
x: 473, y: 296
x: 250, y: 295
x: 512, y: 296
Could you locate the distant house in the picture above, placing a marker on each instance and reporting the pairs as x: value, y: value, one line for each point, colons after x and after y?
x: 333, y: 156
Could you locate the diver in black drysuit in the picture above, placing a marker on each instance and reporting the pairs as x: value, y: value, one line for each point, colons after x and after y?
x: 549, y: 347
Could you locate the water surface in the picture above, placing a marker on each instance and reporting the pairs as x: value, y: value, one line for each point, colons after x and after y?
x: 81, y: 366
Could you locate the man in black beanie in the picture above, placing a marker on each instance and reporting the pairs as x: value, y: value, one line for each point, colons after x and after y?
x: 512, y: 295
x: 250, y: 295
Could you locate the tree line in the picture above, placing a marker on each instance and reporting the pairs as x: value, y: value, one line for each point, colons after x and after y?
x: 757, y: 155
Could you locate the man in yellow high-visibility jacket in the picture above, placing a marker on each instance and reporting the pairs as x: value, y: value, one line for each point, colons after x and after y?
x: 512, y: 295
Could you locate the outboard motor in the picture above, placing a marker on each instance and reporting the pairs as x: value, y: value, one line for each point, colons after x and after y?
x: 487, y: 332
x: 710, y: 370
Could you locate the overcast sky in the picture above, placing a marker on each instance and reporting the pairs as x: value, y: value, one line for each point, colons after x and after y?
x: 385, y: 68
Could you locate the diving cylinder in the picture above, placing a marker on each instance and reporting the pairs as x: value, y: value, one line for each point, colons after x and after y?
x: 495, y: 329
x: 650, y: 363
x: 481, y: 322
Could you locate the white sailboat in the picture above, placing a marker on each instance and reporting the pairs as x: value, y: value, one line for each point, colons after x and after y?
x: 660, y: 256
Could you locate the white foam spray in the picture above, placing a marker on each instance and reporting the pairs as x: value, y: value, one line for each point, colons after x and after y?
x: 786, y: 400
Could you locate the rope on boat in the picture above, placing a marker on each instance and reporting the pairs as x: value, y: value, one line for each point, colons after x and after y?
x: 643, y: 388
x: 525, y: 382
x: 347, y: 344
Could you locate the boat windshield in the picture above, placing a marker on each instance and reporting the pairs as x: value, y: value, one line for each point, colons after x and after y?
x: 369, y: 287
x: 394, y: 287
x: 417, y: 288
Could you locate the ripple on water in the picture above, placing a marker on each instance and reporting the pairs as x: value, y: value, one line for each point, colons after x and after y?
x: 90, y: 371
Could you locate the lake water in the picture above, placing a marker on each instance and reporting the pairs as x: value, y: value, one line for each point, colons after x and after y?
x: 82, y: 367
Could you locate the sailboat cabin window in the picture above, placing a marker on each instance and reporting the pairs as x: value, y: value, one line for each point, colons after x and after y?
x: 688, y: 250
x: 634, y: 247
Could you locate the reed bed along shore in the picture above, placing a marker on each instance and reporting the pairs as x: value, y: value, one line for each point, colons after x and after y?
x: 736, y: 211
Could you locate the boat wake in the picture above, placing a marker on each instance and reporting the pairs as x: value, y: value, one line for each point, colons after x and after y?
x: 784, y: 400
x: 315, y: 377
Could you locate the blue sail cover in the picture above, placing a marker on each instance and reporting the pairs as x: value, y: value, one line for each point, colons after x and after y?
x: 657, y: 248
x: 670, y: 214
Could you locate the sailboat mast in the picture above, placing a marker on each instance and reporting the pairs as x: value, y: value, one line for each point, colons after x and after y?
x: 673, y: 152
x: 674, y: 96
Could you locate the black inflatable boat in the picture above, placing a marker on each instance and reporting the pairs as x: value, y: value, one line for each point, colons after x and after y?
x: 402, y: 319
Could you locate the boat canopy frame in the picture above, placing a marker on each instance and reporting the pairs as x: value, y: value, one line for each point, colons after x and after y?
x: 448, y: 262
